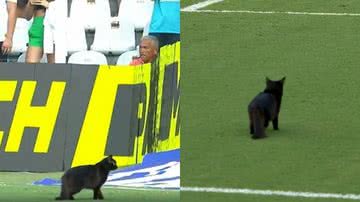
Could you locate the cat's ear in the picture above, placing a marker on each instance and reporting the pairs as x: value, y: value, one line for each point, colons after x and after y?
x: 283, y: 80
x: 268, y: 81
x: 109, y: 159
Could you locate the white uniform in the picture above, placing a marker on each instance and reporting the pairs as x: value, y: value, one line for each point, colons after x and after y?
x: 54, y: 30
x: 49, y: 28
x: 4, y: 18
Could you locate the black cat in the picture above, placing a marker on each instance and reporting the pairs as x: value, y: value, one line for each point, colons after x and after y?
x: 88, y: 177
x: 265, y: 107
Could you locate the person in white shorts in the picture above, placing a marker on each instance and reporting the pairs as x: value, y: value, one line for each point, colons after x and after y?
x: 49, y: 33
x: 7, y: 27
x: 54, y: 34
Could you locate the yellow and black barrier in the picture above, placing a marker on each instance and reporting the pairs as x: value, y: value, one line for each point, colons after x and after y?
x: 53, y: 117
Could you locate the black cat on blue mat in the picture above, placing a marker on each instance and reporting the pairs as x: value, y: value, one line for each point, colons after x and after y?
x: 86, y: 177
x: 265, y: 107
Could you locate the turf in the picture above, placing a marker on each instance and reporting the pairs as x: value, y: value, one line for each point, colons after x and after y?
x: 185, y: 3
x: 16, y: 187
x: 212, y: 197
x: 225, y: 59
x: 326, y: 6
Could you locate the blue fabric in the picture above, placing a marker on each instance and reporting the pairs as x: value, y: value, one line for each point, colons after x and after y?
x: 47, y: 182
x: 150, y: 160
x: 154, y: 159
x: 166, y: 17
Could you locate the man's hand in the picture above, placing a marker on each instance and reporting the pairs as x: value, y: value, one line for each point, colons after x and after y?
x: 6, y: 46
x: 44, y: 3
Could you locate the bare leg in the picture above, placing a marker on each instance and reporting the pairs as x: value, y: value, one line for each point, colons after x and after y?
x: 50, y: 58
x: 34, y: 54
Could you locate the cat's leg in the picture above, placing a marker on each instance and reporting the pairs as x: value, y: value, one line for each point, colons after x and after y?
x: 259, y: 129
x: 95, y: 195
x: 68, y: 196
x: 263, y: 124
x: 71, y: 197
x: 275, y: 123
x: 74, y: 190
x: 98, y: 194
x: 251, y: 128
x: 266, y: 123
x: 65, y: 194
x: 251, y: 125
x: 62, y: 194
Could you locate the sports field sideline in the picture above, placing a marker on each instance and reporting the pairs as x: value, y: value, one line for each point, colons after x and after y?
x: 228, y: 48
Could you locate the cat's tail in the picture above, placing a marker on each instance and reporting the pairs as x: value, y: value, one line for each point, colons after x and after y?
x: 257, y: 118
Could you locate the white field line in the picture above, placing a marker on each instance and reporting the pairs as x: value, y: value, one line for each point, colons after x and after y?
x: 200, y: 5
x: 271, y: 193
x: 272, y: 12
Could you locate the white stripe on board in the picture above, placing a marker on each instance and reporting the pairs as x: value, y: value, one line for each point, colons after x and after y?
x: 272, y: 193
x: 272, y: 12
x: 200, y: 5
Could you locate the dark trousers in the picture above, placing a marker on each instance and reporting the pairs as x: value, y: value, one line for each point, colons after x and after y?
x: 3, y: 58
x: 166, y: 38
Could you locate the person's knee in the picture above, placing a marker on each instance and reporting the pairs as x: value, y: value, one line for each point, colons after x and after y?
x: 34, y: 55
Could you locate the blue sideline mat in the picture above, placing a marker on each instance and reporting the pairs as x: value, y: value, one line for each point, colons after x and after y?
x: 158, y: 170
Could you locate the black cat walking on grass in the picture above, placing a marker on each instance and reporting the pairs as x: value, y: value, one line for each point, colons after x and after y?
x: 265, y: 107
x: 88, y: 177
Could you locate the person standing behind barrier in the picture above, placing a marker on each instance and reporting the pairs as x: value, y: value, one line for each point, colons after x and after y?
x: 49, y: 33
x: 165, y: 21
x: 34, y: 51
x: 7, y: 27
x: 54, y: 35
x: 149, y: 49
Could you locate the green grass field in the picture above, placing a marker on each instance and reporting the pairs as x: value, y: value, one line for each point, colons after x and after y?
x: 16, y: 187
x: 225, y: 59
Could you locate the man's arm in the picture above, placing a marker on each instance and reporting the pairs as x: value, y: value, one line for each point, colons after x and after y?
x: 7, y: 44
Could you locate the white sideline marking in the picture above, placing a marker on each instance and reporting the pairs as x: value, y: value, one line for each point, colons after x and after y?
x: 200, y: 5
x: 271, y: 12
x: 271, y: 193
